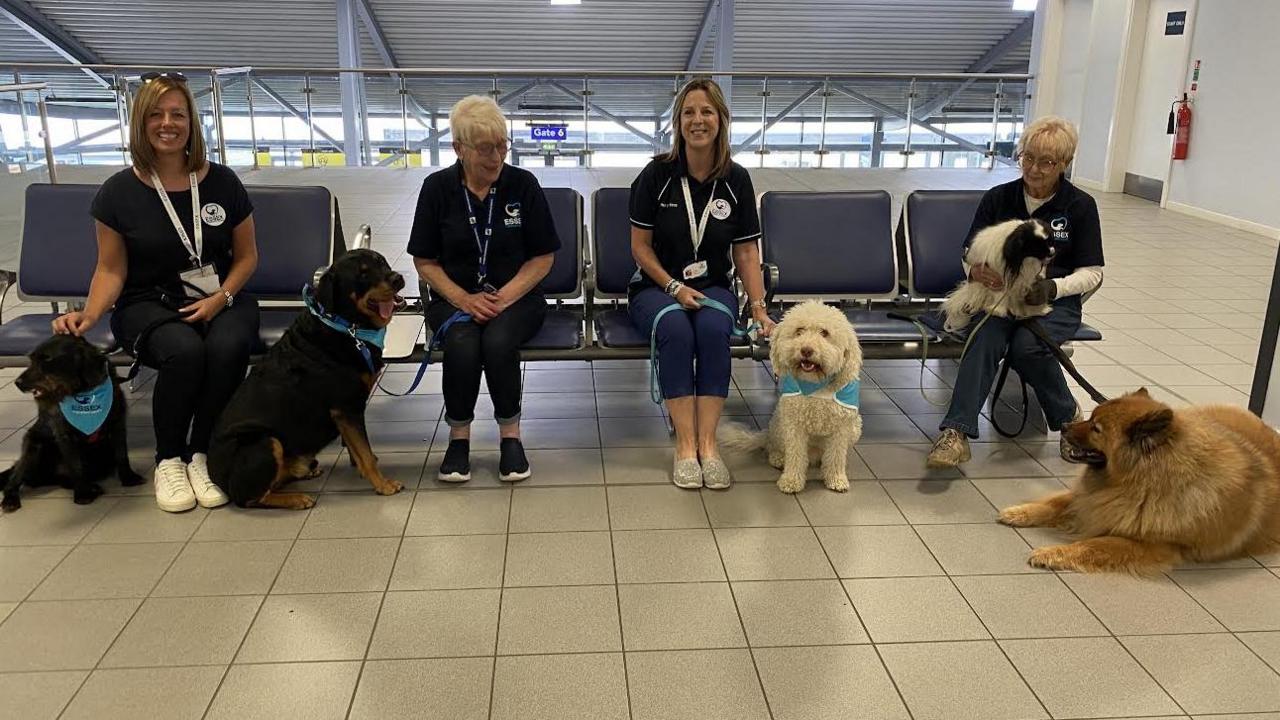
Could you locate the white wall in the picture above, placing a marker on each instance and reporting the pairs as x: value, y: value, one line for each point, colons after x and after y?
x: 1231, y: 169
x: 1103, y: 62
x: 1069, y: 94
x: 1159, y: 82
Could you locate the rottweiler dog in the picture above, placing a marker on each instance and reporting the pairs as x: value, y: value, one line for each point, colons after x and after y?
x: 78, y: 438
x: 311, y: 387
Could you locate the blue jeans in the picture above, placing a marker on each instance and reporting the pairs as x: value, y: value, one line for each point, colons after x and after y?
x: 693, y: 346
x: 1027, y: 355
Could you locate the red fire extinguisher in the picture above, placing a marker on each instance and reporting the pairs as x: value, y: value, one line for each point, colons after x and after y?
x: 1180, y: 127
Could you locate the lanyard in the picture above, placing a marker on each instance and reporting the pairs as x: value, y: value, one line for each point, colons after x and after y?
x: 697, y: 229
x: 192, y: 249
x: 482, y: 246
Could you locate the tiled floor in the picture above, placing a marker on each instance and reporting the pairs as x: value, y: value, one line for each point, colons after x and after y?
x: 597, y: 590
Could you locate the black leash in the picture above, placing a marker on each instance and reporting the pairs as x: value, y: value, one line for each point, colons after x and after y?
x: 1033, y: 324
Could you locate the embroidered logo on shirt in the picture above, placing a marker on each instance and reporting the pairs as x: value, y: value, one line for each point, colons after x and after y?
x: 1061, y: 231
x: 513, y: 215
x: 720, y: 209
x: 213, y: 215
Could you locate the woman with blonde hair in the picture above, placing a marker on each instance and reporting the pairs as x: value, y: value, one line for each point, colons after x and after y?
x: 482, y: 240
x: 1045, y: 150
x: 176, y: 245
x: 693, y: 221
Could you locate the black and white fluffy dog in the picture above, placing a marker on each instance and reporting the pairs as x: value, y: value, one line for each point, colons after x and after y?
x: 1017, y: 249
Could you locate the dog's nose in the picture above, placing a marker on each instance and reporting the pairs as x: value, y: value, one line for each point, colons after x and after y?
x: 397, y: 281
x: 806, y: 352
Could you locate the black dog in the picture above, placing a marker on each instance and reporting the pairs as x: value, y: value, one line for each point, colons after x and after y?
x: 77, y: 440
x: 311, y: 387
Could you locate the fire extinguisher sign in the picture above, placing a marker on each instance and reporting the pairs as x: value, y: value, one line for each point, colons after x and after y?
x: 1175, y: 23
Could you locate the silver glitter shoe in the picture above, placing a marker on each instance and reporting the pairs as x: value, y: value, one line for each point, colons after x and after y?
x: 687, y: 473
x: 715, y: 474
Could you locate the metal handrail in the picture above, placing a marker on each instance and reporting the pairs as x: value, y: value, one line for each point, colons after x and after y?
x: 544, y: 72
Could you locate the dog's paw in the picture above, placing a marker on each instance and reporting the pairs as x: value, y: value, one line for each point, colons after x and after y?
x: 776, y: 461
x: 839, y: 483
x: 1018, y: 516
x: 314, y: 471
x: 86, y: 495
x: 11, y: 503
x: 390, y: 487
x: 131, y: 479
x: 300, y: 501
x: 1053, y: 557
x: 791, y: 484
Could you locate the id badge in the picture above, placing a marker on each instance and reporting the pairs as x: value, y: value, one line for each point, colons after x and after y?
x: 693, y: 271
x: 204, y: 278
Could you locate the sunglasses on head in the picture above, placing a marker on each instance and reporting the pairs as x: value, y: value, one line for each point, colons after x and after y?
x: 175, y: 76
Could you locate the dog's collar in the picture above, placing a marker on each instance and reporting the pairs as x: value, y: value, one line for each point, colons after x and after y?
x: 847, y: 396
x: 361, y: 336
x: 87, y: 411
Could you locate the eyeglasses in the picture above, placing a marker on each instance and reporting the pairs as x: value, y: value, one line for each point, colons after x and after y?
x: 487, y: 149
x: 175, y: 76
x: 1041, y: 164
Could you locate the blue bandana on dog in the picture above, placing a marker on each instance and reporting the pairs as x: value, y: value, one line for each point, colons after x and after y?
x: 846, y: 396
x: 87, y: 411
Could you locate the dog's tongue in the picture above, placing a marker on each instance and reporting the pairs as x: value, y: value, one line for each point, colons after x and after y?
x: 386, y: 308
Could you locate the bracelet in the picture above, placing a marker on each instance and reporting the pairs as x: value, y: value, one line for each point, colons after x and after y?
x: 758, y: 304
x: 231, y: 299
x: 674, y: 287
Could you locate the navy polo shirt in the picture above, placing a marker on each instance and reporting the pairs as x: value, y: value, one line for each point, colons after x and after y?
x: 522, y: 225
x: 1071, y: 213
x: 657, y: 204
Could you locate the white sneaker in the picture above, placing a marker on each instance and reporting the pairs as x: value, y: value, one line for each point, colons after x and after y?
x: 207, y: 493
x: 173, y: 489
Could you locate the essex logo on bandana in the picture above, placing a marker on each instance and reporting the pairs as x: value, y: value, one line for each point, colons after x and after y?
x: 513, y: 215
x: 87, y: 411
x: 720, y: 209
x: 213, y: 215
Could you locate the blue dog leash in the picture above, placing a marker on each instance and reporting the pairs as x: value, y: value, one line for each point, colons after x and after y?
x: 436, y: 338
x: 655, y: 389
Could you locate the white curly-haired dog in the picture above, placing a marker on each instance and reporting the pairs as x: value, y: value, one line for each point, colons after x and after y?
x: 816, y: 355
x: 1017, y: 249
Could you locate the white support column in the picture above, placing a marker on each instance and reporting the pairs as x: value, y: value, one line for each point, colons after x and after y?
x: 724, y: 49
x: 1046, y: 46
x: 349, y: 83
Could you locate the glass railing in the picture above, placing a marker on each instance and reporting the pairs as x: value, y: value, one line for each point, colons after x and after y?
x: 293, y: 116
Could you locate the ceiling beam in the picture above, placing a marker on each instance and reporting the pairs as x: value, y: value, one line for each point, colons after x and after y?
x: 705, y: 28
x: 382, y: 46
x: 1012, y: 40
x: 294, y: 111
x: 813, y: 89
x: 40, y: 27
x: 901, y: 115
x: 606, y: 114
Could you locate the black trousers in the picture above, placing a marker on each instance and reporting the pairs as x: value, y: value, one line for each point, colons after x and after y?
x: 200, y: 366
x: 492, y: 348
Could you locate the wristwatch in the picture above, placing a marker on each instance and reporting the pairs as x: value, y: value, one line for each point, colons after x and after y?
x: 231, y: 299
x: 758, y: 304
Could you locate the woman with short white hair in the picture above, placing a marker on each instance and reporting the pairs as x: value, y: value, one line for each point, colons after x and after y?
x: 482, y: 240
x: 1045, y: 150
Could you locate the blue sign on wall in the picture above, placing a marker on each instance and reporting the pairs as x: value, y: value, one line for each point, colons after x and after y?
x: 549, y: 132
x: 1175, y: 23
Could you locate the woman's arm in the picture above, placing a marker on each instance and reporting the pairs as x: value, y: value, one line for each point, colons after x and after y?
x: 746, y: 258
x: 527, y: 278
x: 244, y: 260
x: 647, y: 260
x: 477, y: 305
x: 108, y: 281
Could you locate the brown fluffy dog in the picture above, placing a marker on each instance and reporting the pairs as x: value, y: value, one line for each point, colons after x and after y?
x: 1161, y: 487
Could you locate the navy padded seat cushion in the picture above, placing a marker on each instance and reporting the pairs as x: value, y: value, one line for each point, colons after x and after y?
x: 20, y: 335
x: 562, y: 330
x: 611, y: 240
x: 935, y: 225
x: 59, y: 241
x: 875, y: 326
x: 294, y: 228
x: 934, y: 320
x: 615, y: 330
x: 566, y: 271
x: 830, y: 243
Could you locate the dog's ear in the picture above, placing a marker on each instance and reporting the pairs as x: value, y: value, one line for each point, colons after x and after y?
x: 90, y: 366
x: 1151, y: 430
x: 851, y: 367
x: 326, y: 290
x: 1142, y: 392
x: 1013, y: 250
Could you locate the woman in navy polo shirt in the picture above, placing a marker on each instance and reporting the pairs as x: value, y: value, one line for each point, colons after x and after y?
x: 482, y: 240
x: 691, y: 209
x: 1044, y: 152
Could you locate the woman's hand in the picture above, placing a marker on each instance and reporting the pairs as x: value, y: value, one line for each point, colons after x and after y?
x: 988, y: 277
x: 501, y: 299
x: 688, y: 298
x: 478, y: 306
x: 203, y: 310
x: 75, y: 323
x: 766, y: 323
